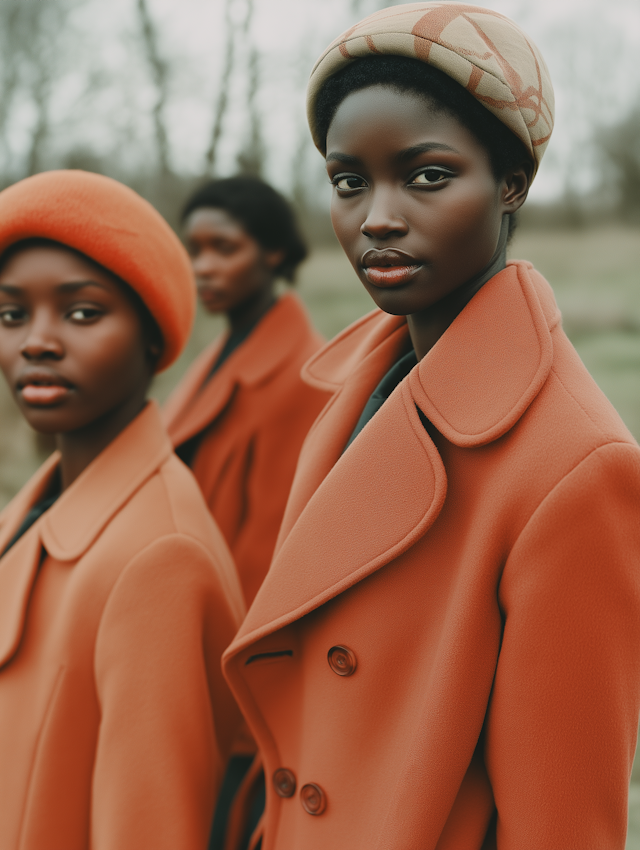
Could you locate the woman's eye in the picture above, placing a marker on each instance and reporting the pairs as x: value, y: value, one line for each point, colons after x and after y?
x: 348, y: 182
x: 10, y: 316
x: 226, y: 249
x: 430, y: 176
x: 84, y: 314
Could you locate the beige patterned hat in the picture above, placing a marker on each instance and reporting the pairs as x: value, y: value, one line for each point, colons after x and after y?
x: 482, y: 50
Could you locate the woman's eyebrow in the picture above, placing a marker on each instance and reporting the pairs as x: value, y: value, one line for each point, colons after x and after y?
x: 74, y: 286
x: 426, y: 147
x: 348, y: 159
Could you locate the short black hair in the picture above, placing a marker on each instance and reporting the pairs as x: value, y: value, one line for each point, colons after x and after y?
x: 505, y: 150
x: 262, y: 211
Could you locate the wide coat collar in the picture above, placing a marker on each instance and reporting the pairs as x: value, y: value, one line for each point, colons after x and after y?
x: 474, y: 385
x: 197, y: 403
x: 70, y: 526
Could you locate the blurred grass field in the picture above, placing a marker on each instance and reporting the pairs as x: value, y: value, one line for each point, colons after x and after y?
x: 596, y: 277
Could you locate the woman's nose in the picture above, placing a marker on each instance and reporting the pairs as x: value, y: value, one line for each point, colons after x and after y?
x: 41, y: 342
x: 204, y: 264
x: 382, y: 219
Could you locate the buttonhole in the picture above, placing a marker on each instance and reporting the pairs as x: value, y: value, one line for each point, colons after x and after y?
x: 265, y: 656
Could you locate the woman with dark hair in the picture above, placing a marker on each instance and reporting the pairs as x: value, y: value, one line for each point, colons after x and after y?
x: 240, y: 415
x: 117, y: 592
x: 445, y: 653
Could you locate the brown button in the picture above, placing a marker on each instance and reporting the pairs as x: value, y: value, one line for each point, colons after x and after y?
x: 342, y: 661
x: 284, y: 781
x: 313, y: 800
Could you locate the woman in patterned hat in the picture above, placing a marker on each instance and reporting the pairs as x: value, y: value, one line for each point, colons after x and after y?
x: 445, y: 653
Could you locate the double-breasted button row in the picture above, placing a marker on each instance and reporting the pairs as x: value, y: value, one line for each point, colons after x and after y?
x: 342, y: 660
x: 312, y: 796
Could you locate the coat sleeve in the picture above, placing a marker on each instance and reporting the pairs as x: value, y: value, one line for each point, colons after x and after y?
x: 166, y: 714
x: 562, y: 722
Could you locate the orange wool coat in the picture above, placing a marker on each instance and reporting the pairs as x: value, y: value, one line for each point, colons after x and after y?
x: 446, y: 650
x: 254, y: 414
x: 115, y: 607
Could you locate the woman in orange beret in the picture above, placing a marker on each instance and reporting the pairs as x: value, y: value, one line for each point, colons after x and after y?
x: 445, y: 654
x: 240, y: 415
x: 117, y: 591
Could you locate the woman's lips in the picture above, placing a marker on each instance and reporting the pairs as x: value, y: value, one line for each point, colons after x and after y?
x: 389, y: 267
x: 211, y: 297
x: 391, y: 275
x: 40, y: 388
x: 42, y: 395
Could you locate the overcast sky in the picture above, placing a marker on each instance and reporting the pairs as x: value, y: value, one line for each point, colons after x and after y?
x: 591, y: 47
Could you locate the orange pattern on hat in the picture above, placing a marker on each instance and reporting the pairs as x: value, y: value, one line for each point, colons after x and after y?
x: 482, y: 50
x: 112, y: 225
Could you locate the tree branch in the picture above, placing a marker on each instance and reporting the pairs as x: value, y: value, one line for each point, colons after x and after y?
x: 223, y: 95
x: 159, y: 71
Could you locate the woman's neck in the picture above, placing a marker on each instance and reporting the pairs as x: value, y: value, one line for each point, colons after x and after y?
x: 252, y: 310
x: 427, y: 327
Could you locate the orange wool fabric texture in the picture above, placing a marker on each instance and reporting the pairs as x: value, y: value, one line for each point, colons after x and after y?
x: 485, y: 52
x: 115, y: 607
x: 254, y: 415
x: 445, y: 652
x: 112, y: 225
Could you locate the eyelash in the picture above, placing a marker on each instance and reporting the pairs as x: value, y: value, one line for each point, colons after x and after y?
x: 340, y: 177
x: 7, y: 312
x: 94, y: 311
x: 443, y: 173
x: 11, y: 316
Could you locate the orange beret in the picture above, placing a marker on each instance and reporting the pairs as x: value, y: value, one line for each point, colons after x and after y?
x: 112, y: 225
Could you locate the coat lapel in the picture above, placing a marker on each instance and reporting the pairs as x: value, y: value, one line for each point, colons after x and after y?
x: 198, y: 402
x: 71, y: 525
x: 205, y: 405
x: 372, y: 350
x: 344, y: 540
x: 18, y: 569
x: 188, y: 410
x: 353, y: 513
x: 32, y: 492
x: 485, y: 371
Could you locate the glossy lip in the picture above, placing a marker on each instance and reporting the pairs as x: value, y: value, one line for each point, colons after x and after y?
x: 42, y: 387
x: 389, y: 267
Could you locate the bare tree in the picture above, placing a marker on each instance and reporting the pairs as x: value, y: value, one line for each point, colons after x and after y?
x: 41, y: 93
x: 160, y: 74
x: 32, y: 61
x: 252, y: 155
x: 9, y: 76
x: 223, y: 95
x: 619, y: 144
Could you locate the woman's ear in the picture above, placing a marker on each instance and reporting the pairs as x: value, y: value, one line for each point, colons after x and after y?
x: 274, y: 257
x: 516, y: 187
x: 153, y: 352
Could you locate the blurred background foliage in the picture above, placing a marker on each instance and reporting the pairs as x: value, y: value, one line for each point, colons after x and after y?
x: 163, y: 95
